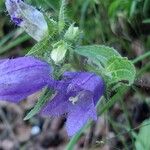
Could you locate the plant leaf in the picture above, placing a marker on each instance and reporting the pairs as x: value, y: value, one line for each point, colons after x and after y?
x: 61, y: 21
x: 120, y: 70
x: 142, y: 140
x: 41, y: 102
x: 146, y: 8
x: 97, y: 53
x: 39, y: 48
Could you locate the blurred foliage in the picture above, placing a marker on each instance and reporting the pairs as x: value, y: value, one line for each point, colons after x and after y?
x: 112, y: 22
x: 142, y: 139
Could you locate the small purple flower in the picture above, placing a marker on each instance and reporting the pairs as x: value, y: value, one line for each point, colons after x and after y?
x: 21, y: 77
x: 76, y: 96
x: 28, y: 18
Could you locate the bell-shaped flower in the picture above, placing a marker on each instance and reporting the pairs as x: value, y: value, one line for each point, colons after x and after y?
x: 21, y: 77
x: 27, y: 17
x: 77, y: 95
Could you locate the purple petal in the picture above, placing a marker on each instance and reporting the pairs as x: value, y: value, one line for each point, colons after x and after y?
x: 69, y: 75
x: 86, y: 81
x: 3, y: 60
x: 21, y: 77
x: 57, y: 106
x: 79, y: 114
x: 77, y: 95
x: 16, y: 20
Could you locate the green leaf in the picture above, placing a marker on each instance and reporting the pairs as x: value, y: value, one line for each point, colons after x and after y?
x: 97, y: 53
x: 39, y: 48
x: 22, y: 38
x: 61, y: 21
x: 41, y: 102
x: 133, y: 8
x: 120, y: 70
x: 118, y: 5
x: 7, y: 37
x: 52, y: 25
x: 146, y: 8
x: 146, y: 21
x: 142, y: 140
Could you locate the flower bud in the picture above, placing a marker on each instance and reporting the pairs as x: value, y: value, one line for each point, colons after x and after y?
x: 59, y: 53
x: 27, y: 17
x: 72, y: 33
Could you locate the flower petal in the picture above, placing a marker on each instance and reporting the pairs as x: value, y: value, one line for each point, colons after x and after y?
x: 3, y: 60
x: 79, y: 114
x: 21, y: 77
x: 27, y: 17
x: 86, y: 81
x: 57, y: 106
x: 69, y: 75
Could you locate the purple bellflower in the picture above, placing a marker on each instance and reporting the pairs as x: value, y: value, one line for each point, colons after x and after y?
x: 21, y: 77
x: 27, y: 17
x: 76, y: 96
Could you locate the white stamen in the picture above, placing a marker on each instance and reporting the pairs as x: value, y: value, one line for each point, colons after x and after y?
x: 73, y: 100
x: 77, y: 97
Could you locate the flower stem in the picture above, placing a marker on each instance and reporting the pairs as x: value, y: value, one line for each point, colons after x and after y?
x: 141, y: 57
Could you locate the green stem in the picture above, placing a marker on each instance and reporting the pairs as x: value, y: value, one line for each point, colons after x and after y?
x: 6, y: 38
x: 14, y: 43
x: 41, y: 102
x: 127, y: 118
x: 143, y: 69
x: 141, y: 57
x: 117, y: 131
x: 76, y: 137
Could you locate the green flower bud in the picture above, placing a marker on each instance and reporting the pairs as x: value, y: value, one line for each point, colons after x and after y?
x: 58, y: 53
x: 72, y: 33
